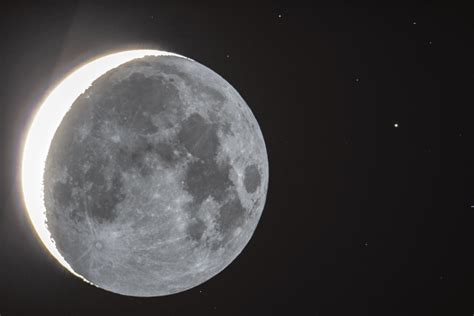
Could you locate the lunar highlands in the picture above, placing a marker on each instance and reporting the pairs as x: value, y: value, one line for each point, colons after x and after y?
x: 156, y: 177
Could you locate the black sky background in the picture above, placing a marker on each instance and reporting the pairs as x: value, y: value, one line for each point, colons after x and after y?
x: 362, y: 217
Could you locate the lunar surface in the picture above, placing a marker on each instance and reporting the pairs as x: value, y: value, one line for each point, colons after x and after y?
x: 156, y: 177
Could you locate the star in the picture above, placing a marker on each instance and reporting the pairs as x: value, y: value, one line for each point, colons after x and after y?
x: 280, y: 16
x: 395, y: 125
x: 414, y: 23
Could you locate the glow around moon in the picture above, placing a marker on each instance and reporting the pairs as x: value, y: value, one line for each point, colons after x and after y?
x: 43, y: 127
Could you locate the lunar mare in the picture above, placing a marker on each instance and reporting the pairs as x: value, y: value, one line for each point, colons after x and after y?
x: 155, y: 178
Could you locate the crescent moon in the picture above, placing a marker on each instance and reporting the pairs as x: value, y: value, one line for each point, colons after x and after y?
x: 41, y: 132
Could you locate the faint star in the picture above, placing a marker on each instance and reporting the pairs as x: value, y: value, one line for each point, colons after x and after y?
x: 228, y: 56
x: 280, y: 16
x: 366, y: 244
x: 357, y: 79
x: 430, y: 42
x: 414, y: 23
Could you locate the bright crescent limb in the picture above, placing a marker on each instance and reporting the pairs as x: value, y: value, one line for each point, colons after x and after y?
x: 44, y: 126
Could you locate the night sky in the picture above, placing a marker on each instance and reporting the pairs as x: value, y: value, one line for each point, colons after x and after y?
x: 367, y: 116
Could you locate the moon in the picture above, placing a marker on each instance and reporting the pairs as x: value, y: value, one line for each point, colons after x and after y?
x: 144, y: 173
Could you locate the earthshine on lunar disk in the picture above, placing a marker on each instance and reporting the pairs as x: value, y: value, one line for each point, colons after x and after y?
x: 144, y: 173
